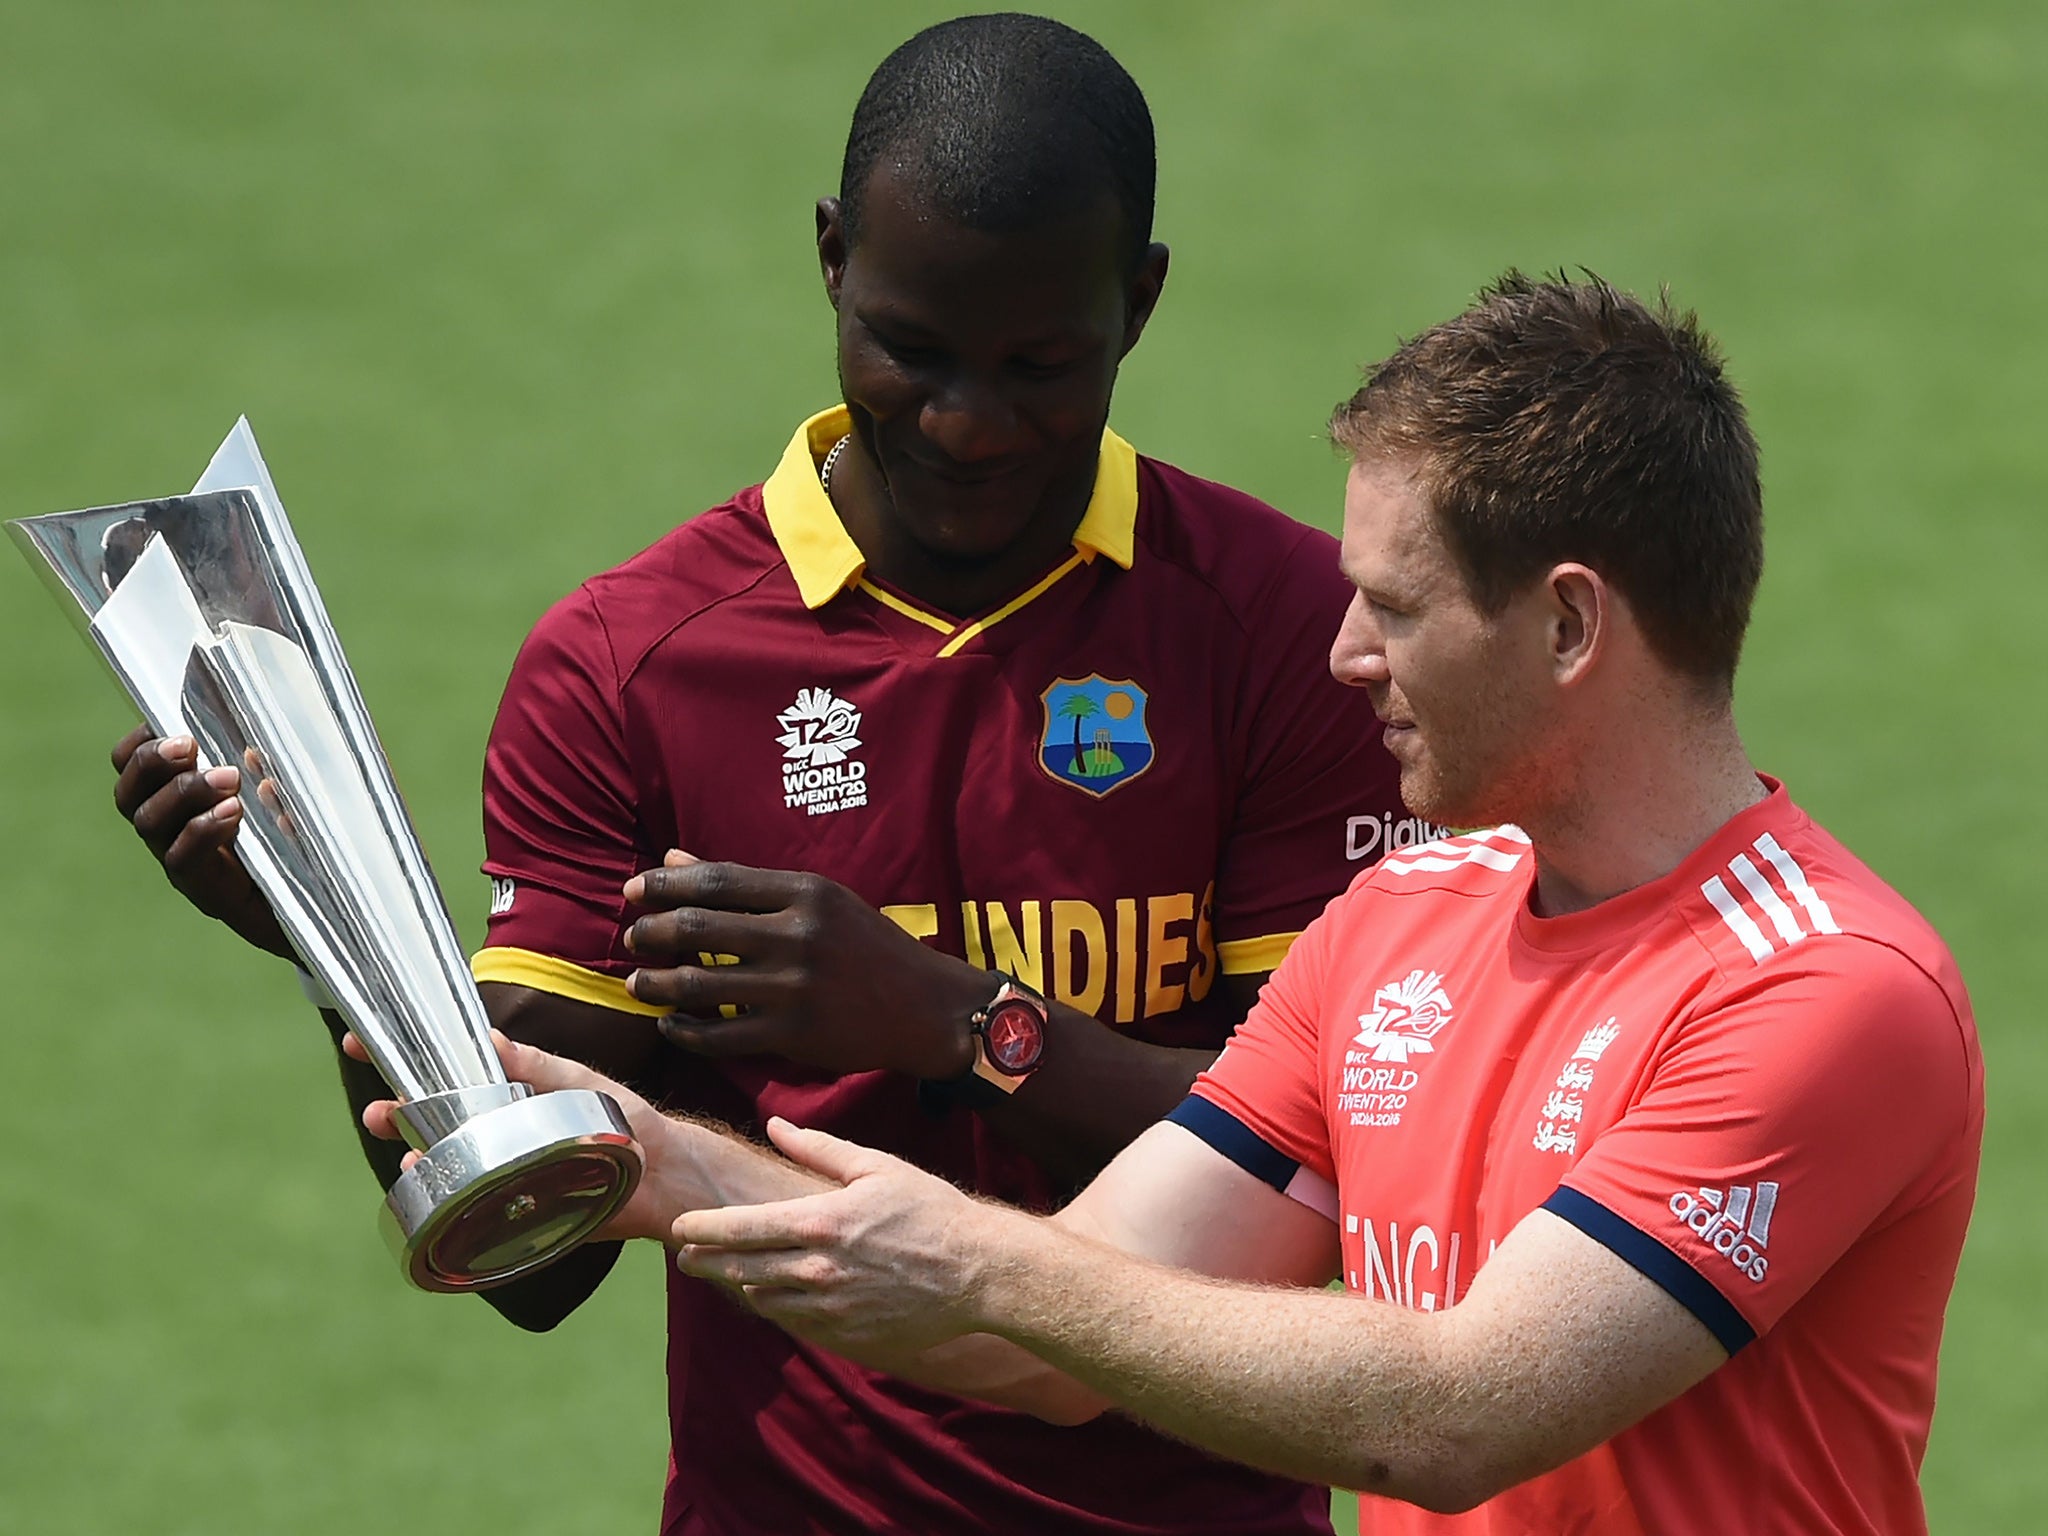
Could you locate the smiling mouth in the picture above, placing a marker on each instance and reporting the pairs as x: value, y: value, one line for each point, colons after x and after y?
x: 964, y: 474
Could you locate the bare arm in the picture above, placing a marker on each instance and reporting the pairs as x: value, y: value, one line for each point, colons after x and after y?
x: 1558, y: 1344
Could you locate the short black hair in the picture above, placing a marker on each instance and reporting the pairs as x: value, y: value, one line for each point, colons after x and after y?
x: 1561, y: 420
x: 1005, y: 121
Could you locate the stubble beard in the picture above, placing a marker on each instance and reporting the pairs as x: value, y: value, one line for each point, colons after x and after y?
x: 1462, y: 788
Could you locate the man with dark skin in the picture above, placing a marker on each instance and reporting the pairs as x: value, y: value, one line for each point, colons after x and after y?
x: 968, y: 534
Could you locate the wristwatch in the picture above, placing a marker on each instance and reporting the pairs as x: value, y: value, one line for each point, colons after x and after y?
x: 1009, y: 1043
x: 1009, y: 1036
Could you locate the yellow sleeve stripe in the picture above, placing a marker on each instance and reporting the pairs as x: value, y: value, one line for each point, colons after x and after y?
x: 560, y: 978
x: 1248, y: 957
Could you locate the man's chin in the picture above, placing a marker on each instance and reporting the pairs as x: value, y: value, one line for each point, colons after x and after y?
x: 952, y: 540
x: 1428, y: 796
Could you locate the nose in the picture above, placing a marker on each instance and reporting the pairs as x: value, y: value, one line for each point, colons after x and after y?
x: 1358, y: 656
x: 971, y: 421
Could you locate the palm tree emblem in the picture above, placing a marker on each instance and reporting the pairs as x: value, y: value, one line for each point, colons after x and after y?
x: 1078, y: 708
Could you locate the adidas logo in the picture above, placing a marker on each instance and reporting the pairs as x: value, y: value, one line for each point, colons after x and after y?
x: 1735, y: 1223
x: 1781, y: 906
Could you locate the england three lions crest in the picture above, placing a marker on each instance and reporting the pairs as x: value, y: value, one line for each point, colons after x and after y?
x: 1405, y: 1017
x: 1095, y: 737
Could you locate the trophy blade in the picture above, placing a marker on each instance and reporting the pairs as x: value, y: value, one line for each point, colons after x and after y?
x: 145, y: 629
x: 239, y: 459
x: 237, y: 462
x: 228, y: 553
x: 309, y: 802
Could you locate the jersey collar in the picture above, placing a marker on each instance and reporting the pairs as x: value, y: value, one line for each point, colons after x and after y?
x: 823, y: 557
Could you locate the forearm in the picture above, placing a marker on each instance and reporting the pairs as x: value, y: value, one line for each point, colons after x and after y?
x: 994, y: 1370
x: 704, y: 1165
x: 1310, y: 1384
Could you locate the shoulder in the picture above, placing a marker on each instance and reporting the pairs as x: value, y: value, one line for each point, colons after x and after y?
x: 686, y: 575
x: 1247, y: 554
x: 1824, y: 959
x: 1793, y: 897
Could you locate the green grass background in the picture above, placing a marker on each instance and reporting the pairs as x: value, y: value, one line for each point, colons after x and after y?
x: 508, y: 290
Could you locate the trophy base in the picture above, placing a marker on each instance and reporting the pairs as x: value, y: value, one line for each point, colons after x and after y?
x: 511, y: 1190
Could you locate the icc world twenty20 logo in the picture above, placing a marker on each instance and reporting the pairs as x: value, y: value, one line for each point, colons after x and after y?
x: 1405, y: 1017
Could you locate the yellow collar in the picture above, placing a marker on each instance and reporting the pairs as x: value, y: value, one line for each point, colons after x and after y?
x: 823, y: 557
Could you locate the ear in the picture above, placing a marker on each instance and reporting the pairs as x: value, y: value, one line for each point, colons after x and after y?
x: 831, y: 247
x: 1144, y: 293
x: 1583, y: 610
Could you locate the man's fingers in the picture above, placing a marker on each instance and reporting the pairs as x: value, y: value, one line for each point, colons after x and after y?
x: 523, y: 1064
x: 788, y: 1224
x: 353, y: 1048
x: 378, y: 1122
x: 125, y: 747
x: 175, y: 805
x: 149, y: 765
x: 675, y: 858
x: 203, y: 839
x: 683, y: 933
x: 377, y: 1119
x: 545, y: 1071
x: 822, y: 1152
x: 728, y: 887
x: 704, y: 989
x: 781, y: 1268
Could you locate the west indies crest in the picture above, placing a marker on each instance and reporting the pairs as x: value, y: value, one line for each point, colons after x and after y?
x: 1095, y: 737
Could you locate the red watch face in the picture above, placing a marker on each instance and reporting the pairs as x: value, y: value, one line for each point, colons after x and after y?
x: 1015, y: 1037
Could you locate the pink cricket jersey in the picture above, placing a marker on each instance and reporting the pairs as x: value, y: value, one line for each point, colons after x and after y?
x: 1756, y: 1080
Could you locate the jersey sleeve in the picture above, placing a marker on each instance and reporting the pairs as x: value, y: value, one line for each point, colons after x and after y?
x: 1779, y: 1124
x: 1259, y: 1104
x: 1316, y: 775
x: 561, y: 834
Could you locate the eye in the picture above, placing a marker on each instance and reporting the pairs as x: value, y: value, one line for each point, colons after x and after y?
x: 911, y: 356
x: 1039, y: 369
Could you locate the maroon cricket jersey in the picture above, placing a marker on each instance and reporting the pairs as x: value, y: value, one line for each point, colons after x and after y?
x: 1132, y: 777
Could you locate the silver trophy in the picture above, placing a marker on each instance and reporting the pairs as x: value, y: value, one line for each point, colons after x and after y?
x: 206, y: 611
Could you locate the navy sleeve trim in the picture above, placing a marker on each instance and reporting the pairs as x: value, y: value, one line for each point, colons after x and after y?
x: 1696, y: 1294
x: 1227, y: 1134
